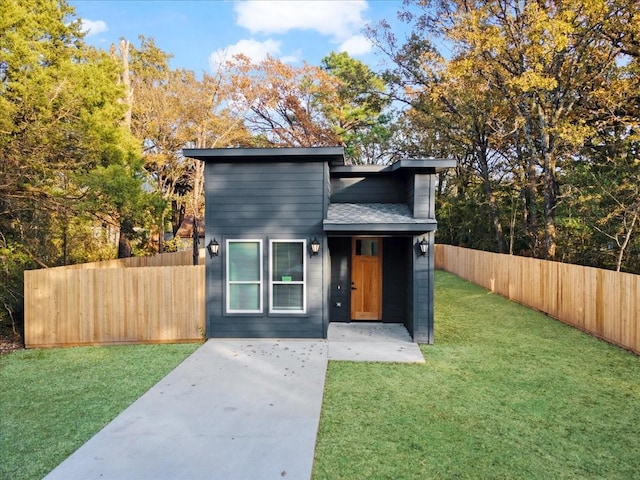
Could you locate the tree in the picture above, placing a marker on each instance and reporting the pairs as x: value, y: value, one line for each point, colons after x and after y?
x: 541, y: 65
x: 172, y: 109
x: 357, y: 116
x: 60, y: 119
x: 284, y: 105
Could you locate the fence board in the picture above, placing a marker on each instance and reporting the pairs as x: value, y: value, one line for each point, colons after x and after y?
x: 602, y: 302
x: 66, y: 307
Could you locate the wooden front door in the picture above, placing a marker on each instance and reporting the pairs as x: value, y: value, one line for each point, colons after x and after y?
x: 366, y: 279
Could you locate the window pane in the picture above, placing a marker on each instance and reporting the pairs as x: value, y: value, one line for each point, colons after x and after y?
x: 244, y: 297
x: 367, y: 247
x: 288, y: 262
x: 287, y: 297
x: 244, y: 261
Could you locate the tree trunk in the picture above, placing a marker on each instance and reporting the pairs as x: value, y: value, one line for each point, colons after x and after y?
x: 627, y: 238
x: 550, y: 185
x: 124, y: 245
x: 491, y: 199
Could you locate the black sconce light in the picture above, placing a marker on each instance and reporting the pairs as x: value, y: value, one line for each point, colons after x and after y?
x: 315, y: 246
x: 424, y: 247
x: 213, y: 248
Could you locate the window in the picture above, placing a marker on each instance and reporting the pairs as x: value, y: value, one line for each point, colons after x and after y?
x: 367, y: 247
x: 287, y: 285
x: 244, y: 276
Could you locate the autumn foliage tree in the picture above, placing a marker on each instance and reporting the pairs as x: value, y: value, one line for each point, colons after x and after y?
x: 283, y: 104
x: 172, y: 109
x: 61, y: 123
x: 527, y: 87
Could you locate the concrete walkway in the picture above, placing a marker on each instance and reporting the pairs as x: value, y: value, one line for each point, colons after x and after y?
x: 235, y: 409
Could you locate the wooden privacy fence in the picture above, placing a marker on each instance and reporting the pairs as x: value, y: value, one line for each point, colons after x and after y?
x: 601, y: 302
x: 164, y: 260
x: 102, y: 304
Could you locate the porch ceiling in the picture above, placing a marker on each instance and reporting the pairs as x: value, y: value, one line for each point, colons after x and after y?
x: 375, y: 218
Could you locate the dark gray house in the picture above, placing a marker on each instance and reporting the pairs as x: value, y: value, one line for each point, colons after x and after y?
x: 299, y: 239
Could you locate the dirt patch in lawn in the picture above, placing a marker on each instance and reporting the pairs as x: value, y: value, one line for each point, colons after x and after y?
x: 10, y: 342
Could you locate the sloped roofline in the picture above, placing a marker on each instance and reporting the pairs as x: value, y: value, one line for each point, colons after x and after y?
x: 334, y: 155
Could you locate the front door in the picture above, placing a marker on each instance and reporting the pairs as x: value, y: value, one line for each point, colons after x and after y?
x: 366, y: 279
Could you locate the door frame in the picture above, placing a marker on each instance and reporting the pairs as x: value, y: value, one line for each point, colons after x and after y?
x: 377, y: 315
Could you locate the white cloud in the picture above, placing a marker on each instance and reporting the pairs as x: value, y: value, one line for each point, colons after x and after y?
x: 356, y: 45
x: 339, y: 19
x: 93, y: 27
x: 255, y: 50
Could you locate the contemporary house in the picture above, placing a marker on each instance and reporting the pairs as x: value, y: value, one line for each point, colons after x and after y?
x: 298, y: 239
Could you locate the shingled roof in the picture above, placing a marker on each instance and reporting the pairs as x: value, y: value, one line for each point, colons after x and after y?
x: 374, y: 217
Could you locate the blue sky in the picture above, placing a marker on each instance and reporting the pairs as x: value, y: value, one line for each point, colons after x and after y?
x: 200, y: 33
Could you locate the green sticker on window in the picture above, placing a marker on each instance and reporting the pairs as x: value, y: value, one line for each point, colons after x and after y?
x: 286, y: 279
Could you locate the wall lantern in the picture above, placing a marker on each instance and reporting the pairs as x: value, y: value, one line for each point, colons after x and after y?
x: 213, y: 248
x: 315, y: 246
x: 424, y: 247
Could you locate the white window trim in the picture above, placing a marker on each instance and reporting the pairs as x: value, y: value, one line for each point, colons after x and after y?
x: 304, y: 276
x: 229, y: 283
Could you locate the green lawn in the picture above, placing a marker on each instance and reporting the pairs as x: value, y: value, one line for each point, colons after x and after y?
x: 506, y: 392
x: 52, y: 401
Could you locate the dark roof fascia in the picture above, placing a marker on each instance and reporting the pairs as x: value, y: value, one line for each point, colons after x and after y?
x: 380, y: 228
x: 357, y: 170
x: 419, y: 165
x: 430, y: 164
x: 333, y: 155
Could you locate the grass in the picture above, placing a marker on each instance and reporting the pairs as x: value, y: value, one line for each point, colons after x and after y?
x: 52, y: 401
x: 506, y: 392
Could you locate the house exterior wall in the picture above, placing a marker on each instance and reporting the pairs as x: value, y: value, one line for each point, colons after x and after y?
x: 420, y: 318
x: 374, y: 189
x: 266, y: 201
x: 423, y: 195
x: 396, y: 264
x: 396, y: 271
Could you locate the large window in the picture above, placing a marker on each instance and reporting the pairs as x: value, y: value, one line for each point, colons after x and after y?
x: 287, y: 285
x: 244, y: 276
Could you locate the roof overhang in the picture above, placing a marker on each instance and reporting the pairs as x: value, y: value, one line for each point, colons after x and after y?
x: 375, y: 218
x: 333, y: 155
x: 414, y: 165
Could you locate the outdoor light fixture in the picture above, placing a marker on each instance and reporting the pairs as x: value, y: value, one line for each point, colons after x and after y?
x: 213, y: 248
x: 315, y: 246
x: 424, y: 247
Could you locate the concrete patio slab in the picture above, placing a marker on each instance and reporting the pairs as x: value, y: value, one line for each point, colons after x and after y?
x: 235, y: 409
x: 372, y: 342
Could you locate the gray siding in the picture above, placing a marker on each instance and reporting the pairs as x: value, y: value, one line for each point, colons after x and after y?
x: 421, y: 319
x: 383, y: 189
x: 340, y: 251
x: 265, y: 201
x: 424, y: 196
x: 396, y: 263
